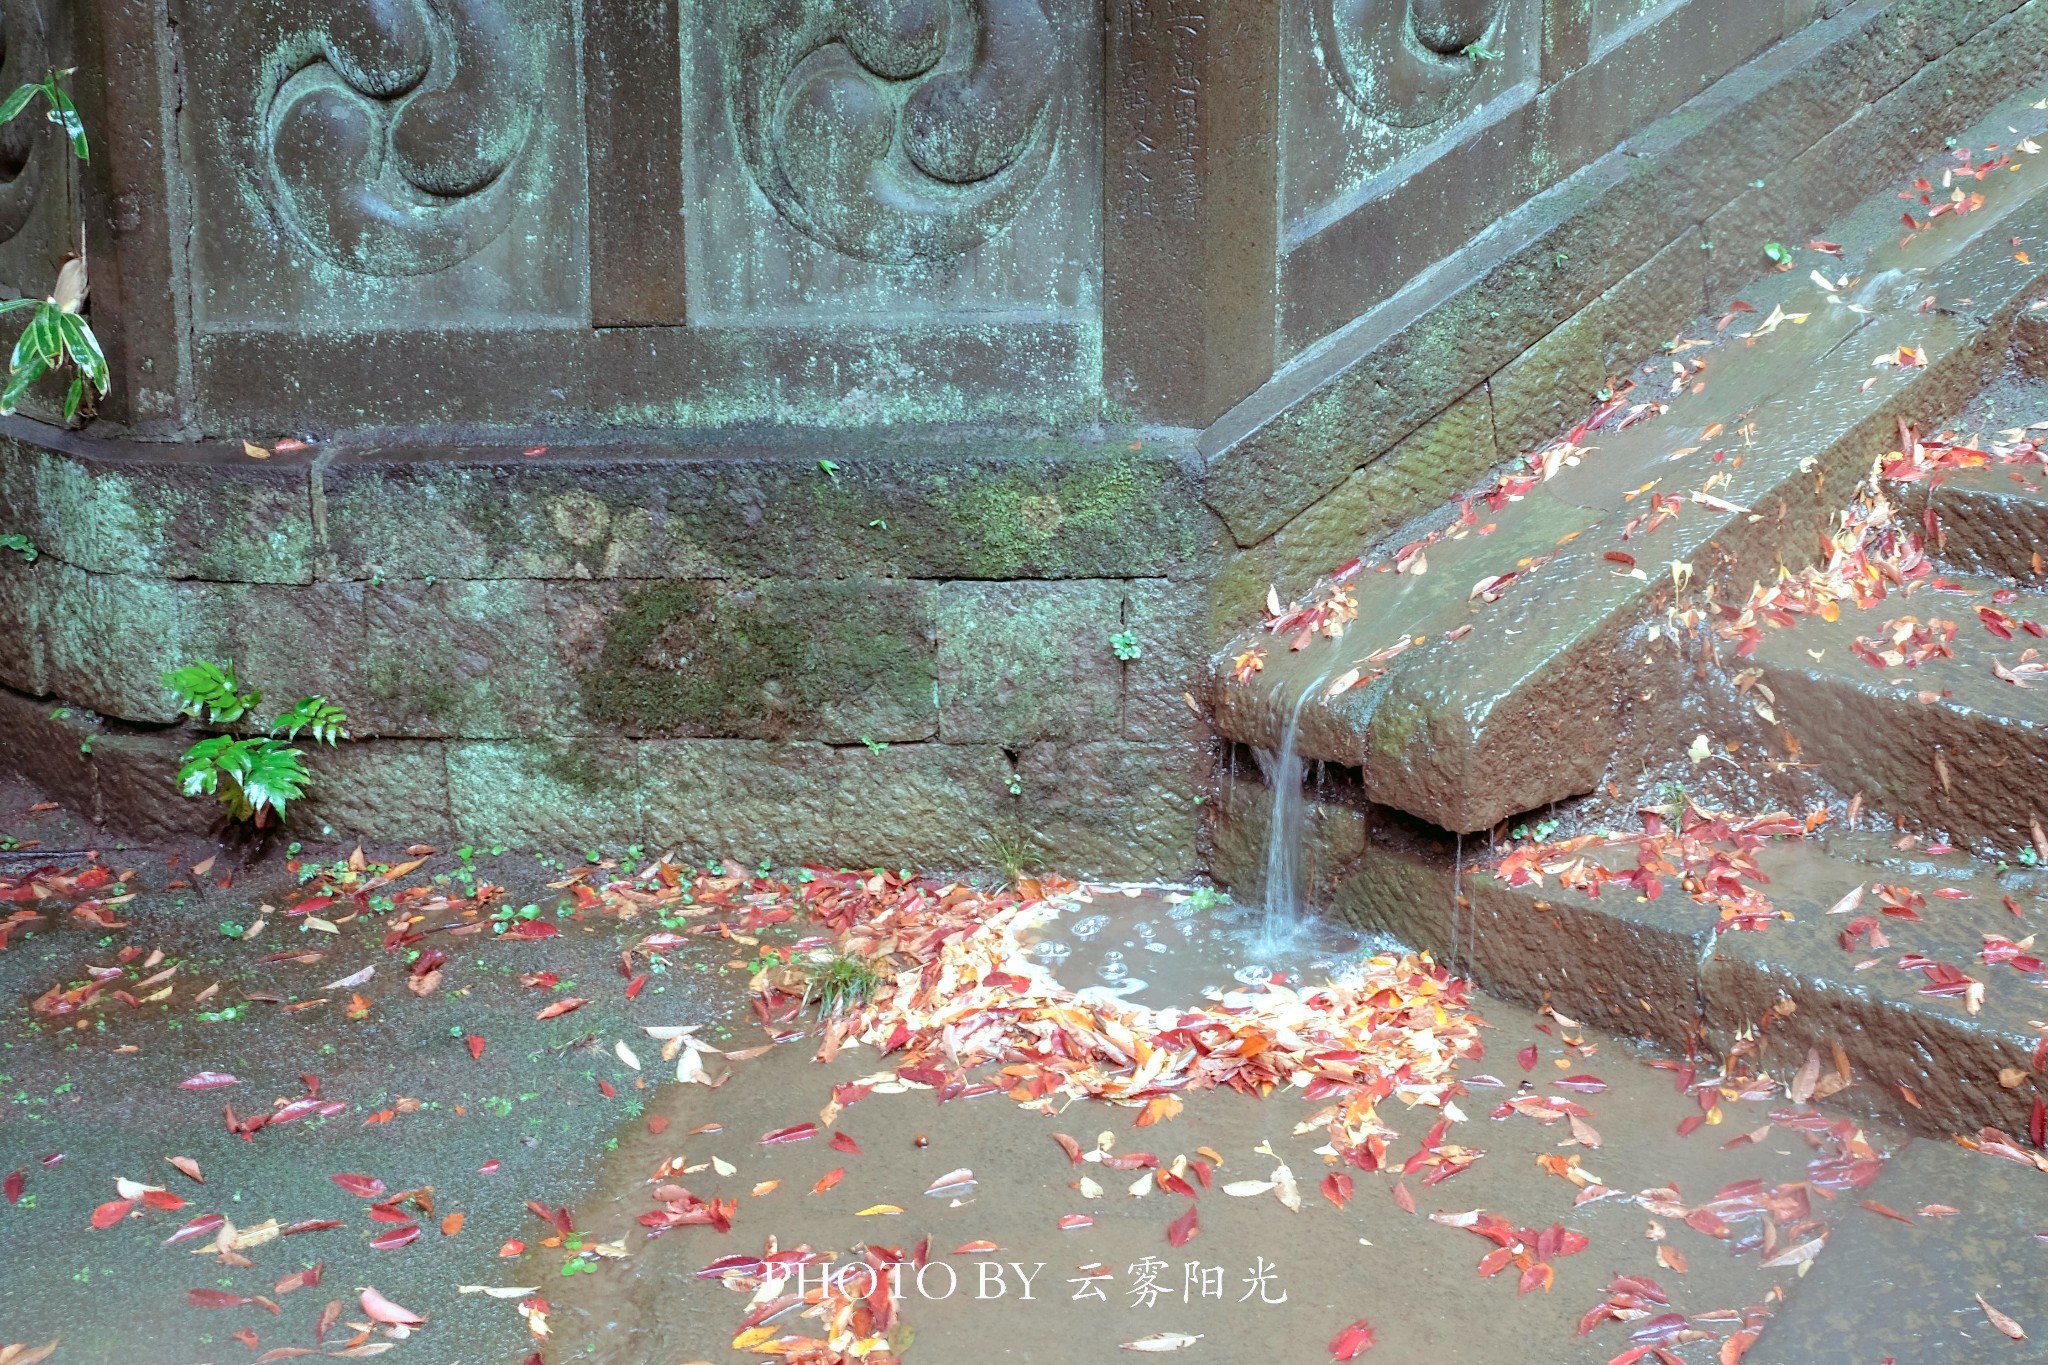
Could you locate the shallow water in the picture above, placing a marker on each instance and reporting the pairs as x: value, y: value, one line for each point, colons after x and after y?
x: 1323, y: 1267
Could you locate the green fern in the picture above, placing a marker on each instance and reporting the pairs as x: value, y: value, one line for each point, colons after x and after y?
x: 253, y: 777
x: 317, y: 716
x: 209, y: 692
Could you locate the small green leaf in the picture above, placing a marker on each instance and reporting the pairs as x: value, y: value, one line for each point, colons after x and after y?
x: 19, y: 379
x: 208, y: 691
x: 64, y: 114
x: 74, y: 397
x: 19, y: 100
x: 84, y: 348
x: 19, y: 543
x: 1776, y: 253
x: 317, y: 716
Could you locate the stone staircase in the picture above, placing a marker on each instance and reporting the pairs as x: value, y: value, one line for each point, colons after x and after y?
x: 1543, y: 658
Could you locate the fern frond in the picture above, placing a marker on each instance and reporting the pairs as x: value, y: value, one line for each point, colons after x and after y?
x: 208, y: 691
x: 317, y: 716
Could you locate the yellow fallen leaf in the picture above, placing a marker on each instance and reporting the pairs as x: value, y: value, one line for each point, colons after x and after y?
x: 254, y: 451
x: 874, y: 1210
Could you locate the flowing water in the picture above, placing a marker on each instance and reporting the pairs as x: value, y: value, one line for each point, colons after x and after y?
x: 1285, y: 773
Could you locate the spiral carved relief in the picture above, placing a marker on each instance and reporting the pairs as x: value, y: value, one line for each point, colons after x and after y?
x: 1407, y: 63
x: 388, y: 134
x: 895, y: 130
x: 26, y: 142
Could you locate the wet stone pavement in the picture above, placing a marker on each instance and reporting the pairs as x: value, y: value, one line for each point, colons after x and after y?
x: 470, y: 1133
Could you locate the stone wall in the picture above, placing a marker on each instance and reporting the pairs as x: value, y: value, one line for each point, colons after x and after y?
x: 891, y: 644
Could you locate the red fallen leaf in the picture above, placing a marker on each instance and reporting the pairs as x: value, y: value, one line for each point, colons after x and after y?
x: 1527, y: 1057
x: 2037, y: 1124
x: 1585, y: 1085
x: 396, y: 1238
x: 209, y: 1080
x: 1621, y: 557
x: 366, y: 1186
x: 163, y: 1200
x: 309, y: 1278
x: 388, y: 1213
x: 657, y: 1125
x: 561, y: 1007
x: 452, y: 1224
x: 1402, y: 1197
x: 15, y: 1184
x: 198, y: 1227
x: 476, y: 1047
x: 311, y: 1225
x: 329, y: 1315
x: 1690, y: 1123
x: 247, y: 1336
x: 491, y: 1167
x: 798, y: 1132
x: 841, y: 1142
x: 1353, y: 1342
x: 1182, y: 1228
x: 514, y: 1247
x: 558, y: 1217
x: 1886, y: 1211
x: 829, y: 1179
x: 215, y: 1298
x: 636, y: 985
x: 187, y: 1167
x: 111, y: 1212
x: 604, y: 1088
x: 384, y: 1310
x: 1069, y: 1146
x: 532, y: 929
x: 1337, y: 1188
x: 1071, y: 1221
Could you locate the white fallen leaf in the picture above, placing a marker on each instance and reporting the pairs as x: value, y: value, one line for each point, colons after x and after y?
x: 626, y: 1054
x: 495, y: 1291
x: 722, y: 1166
x: 1162, y: 1341
x: 1245, y: 1189
x: 1283, y: 1185
x: 352, y: 979
x: 1087, y: 1188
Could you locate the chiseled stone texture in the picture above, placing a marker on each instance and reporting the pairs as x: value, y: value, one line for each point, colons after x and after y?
x: 1171, y: 622
x: 1028, y: 661
x: 1125, y: 809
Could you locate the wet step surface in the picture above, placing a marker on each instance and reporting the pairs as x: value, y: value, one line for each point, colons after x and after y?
x: 1950, y: 728
x: 1466, y: 648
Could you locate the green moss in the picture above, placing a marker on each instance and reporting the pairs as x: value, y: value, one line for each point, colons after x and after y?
x: 1019, y: 523
x: 825, y: 660
x: 583, y: 772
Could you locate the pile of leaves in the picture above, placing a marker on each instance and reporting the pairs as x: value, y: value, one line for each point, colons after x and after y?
x: 852, y: 1326
x: 1712, y: 854
x: 91, y: 888
x: 960, y: 990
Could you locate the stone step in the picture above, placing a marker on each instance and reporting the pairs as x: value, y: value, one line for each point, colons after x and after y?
x: 1890, y: 1290
x: 1948, y: 745
x: 1490, y: 682
x: 1992, y: 520
x: 1671, y: 970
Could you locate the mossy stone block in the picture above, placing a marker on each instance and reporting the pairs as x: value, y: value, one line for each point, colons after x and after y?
x: 1539, y: 395
x: 839, y: 660
x: 178, y: 512
x: 475, y: 659
x: 377, y: 789
x: 1114, y: 808
x: 1027, y: 661
x: 1170, y: 621
x: 110, y: 638
x: 21, y: 637
x: 551, y: 793
x: 906, y: 805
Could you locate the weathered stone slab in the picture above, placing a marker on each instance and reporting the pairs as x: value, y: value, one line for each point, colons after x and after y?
x: 838, y: 660
x: 1989, y: 524
x: 547, y: 794
x: 1554, y: 383
x: 1113, y: 808
x: 21, y: 636
x: 469, y: 658
x: 1019, y: 662
x: 187, y: 511
x: 906, y: 805
x: 1173, y: 627
x: 809, y: 505
x: 377, y: 789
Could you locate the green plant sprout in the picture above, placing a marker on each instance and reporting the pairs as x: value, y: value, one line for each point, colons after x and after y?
x: 1125, y: 645
x: 254, y: 776
x: 57, y: 331
x: 20, y: 544
x: 840, y: 982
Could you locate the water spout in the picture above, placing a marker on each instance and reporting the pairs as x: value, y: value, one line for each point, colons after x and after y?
x: 1284, y: 837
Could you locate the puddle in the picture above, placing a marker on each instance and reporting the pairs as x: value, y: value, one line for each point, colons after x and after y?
x: 1015, y: 1273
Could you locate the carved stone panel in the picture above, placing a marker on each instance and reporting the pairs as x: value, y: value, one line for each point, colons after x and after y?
x: 369, y: 165
x: 1373, y: 90
x: 872, y: 159
x: 38, y: 194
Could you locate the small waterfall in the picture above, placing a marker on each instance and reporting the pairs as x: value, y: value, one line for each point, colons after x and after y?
x: 1285, y: 773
